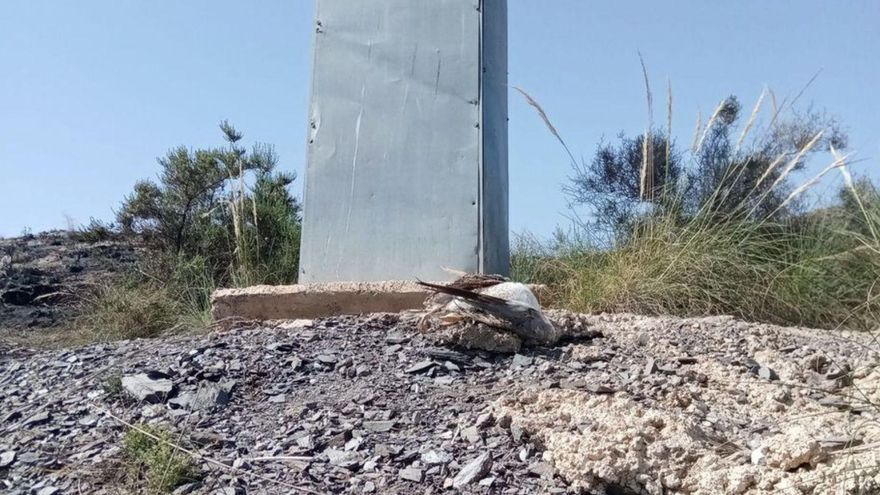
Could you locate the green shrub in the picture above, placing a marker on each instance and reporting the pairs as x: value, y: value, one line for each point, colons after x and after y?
x: 152, y: 461
x: 723, y: 173
x: 95, y: 231
x: 269, y: 244
x: 228, y: 207
x: 215, y: 217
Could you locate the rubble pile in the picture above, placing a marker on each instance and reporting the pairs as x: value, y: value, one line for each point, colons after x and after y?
x: 622, y: 404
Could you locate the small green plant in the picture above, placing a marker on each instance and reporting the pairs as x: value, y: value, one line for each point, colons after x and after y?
x: 95, y: 231
x: 112, y: 385
x: 153, y: 462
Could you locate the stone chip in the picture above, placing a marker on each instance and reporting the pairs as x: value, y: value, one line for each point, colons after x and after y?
x: 474, y: 471
x: 147, y: 388
x: 412, y: 474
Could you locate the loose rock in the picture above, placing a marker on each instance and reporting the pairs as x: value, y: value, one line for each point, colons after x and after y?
x: 421, y: 366
x: 38, y: 419
x: 767, y: 373
x: 473, y: 471
x: 206, y: 396
x: 435, y: 458
x: 684, y: 428
x: 145, y: 388
x: 412, y: 474
x: 471, y: 434
x: 378, y: 426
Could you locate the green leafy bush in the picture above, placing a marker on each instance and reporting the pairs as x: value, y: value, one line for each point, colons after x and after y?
x: 728, y: 171
x: 214, y: 217
x: 227, y: 206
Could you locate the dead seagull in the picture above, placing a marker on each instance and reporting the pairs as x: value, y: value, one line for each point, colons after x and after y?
x: 509, y: 306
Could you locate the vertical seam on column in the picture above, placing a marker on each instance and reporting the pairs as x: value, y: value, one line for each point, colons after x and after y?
x: 481, y: 246
x: 301, y: 275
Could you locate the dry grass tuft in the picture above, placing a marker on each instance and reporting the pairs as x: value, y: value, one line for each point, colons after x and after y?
x: 815, y: 269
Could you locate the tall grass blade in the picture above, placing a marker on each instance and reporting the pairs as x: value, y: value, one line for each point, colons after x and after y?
x: 838, y: 162
x: 668, y: 134
x: 541, y: 113
x: 646, y: 185
x: 769, y: 170
x: 785, y: 171
x: 797, y: 158
x: 850, y: 185
x: 709, y: 125
x: 751, y: 121
x: 698, y: 130
x: 777, y: 111
x: 806, y: 87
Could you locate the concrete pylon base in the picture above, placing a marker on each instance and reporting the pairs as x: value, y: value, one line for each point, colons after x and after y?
x: 287, y: 302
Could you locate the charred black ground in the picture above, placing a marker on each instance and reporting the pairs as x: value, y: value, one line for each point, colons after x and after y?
x: 42, y: 275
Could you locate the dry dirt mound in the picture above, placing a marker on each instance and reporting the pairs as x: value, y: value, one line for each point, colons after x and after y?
x: 371, y: 405
x: 714, y: 406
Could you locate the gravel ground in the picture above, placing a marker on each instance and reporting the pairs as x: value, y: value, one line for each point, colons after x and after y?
x: 626, y: 404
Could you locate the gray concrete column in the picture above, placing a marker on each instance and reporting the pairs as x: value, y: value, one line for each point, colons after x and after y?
x: 407, y: 142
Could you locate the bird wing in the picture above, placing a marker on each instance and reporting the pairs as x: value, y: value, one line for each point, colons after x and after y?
x: 462, y: 293
x: 513, y: 312
x: 472, y: 281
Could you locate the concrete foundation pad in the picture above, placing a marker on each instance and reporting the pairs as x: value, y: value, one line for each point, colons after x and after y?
x: 287, y: 302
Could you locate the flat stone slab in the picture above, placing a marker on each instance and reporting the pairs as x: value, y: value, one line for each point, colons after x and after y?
x: 287, y: 302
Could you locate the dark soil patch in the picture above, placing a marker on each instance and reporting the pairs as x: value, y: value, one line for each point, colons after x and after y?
x: 43, y: 276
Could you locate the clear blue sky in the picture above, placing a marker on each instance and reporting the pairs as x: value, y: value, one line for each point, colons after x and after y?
x: 91, y: 92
